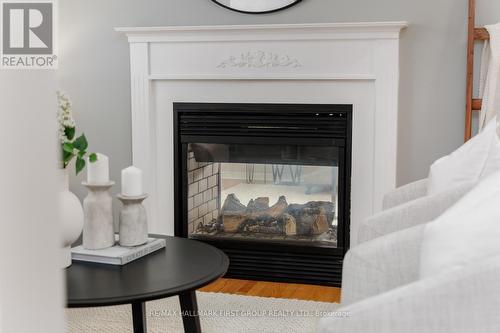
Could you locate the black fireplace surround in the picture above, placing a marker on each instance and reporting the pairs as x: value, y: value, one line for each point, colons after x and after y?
x: 268, y: 184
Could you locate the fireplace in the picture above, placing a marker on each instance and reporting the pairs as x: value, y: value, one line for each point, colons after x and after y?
x: 269, y: 184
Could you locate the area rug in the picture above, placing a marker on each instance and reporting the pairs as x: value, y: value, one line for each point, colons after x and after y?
x: 219, y: 313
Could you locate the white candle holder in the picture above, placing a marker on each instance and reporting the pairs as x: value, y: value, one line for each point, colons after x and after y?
x: 133, y: 220
x: 98, y: 229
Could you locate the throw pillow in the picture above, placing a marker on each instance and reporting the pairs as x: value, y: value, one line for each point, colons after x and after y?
x: 475, y: 160
x: 467, y: 232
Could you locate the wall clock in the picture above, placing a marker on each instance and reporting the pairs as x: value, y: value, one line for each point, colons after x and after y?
x: 256, y: 6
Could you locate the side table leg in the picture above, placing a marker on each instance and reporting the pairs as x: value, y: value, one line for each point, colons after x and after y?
x: 189, y: 308
x: 139, y: 317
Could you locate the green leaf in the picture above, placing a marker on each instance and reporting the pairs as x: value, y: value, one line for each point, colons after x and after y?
x: 67, y: 156
x: 82, y: 153
x: 79, y: 165
x: 68, y: 147
x: 93, y: 157
x: 81, y: 143
x: 70, y: 132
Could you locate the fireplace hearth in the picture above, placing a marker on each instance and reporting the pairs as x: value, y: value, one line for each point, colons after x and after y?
x: 269, y: 184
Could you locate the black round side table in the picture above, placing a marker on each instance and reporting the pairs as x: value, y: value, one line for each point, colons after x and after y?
x: 179, y: 269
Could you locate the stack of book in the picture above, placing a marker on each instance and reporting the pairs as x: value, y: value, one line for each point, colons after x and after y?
x: 117, y: 255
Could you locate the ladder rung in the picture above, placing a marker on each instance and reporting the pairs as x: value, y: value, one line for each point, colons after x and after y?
x: 477, y: 104
x: 481, y: 34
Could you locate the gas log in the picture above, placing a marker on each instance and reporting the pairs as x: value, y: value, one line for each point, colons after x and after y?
x: 234, y: 214
x: 312, y: 218
x: 290, y: 225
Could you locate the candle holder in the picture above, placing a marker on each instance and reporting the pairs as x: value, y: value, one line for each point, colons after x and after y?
x: 98, y: 229
x: 133, y: 220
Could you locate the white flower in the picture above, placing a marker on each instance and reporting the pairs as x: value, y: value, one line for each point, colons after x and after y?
x: 64, y: 116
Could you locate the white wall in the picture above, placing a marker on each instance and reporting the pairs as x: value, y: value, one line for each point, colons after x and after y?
x: 31, y: 281
x: 95, y: 65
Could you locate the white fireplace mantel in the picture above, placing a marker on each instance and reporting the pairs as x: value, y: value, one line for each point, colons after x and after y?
x: 345, y: 63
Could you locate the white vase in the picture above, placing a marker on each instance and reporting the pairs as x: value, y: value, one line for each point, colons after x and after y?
x: 70, y: 216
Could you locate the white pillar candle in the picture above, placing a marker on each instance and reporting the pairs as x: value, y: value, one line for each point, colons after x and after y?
x: 98, y: 171
x: 132, y: 182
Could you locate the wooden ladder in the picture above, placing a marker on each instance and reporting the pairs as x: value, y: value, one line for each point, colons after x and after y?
x: 474, y: 34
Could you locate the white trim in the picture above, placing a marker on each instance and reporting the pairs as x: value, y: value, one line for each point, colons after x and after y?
x: 143, y: 141
x: 394, y: 26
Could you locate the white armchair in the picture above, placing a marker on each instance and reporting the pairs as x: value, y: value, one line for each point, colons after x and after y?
x: 381, y: 286
x: 382, y: 291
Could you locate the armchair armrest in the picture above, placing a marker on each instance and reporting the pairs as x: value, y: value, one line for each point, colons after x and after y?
x: 419, y: 211
x: 382, y: 264
x: 405, y: 193
x: 459, y: 300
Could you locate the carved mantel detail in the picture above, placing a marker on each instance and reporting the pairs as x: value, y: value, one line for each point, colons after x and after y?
x: 260, y: 59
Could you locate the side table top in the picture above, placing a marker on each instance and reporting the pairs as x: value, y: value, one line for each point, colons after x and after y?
x: 182, y: 265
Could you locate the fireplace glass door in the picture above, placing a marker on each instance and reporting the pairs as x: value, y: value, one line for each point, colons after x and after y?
x: 263, y: 192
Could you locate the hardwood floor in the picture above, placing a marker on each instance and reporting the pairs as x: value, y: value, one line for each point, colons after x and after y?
x: 274, y: 289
